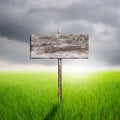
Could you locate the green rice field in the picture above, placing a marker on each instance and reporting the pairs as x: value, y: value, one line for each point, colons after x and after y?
x: 27, y: 95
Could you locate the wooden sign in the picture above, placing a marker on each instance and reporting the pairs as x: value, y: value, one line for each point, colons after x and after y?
x: 59, y: 46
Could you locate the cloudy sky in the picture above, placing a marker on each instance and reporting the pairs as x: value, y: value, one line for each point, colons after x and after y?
x: 20, y: 18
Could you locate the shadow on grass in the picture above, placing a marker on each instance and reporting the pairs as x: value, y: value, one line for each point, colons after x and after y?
x: 52, y: 112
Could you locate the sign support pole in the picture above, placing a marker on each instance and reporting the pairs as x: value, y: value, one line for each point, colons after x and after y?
x: 60, y: 79
x: 56, y: 47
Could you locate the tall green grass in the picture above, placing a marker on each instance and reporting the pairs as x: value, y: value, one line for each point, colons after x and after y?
x: 26, y: 95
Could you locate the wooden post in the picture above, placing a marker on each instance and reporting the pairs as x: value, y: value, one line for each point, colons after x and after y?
x: 60, y: 79
x: 69, y: 46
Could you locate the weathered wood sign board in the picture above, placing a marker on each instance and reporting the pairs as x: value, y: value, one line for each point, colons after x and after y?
x: 59, y: 46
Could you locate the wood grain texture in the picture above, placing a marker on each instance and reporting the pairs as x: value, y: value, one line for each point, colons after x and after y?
x: 59, y: 46
x: 60, y: 79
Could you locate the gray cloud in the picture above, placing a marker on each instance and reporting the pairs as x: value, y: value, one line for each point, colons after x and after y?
x: 94, y: 13
x: 13, y: 2
x: 18, y: 52
x: 100, y: 19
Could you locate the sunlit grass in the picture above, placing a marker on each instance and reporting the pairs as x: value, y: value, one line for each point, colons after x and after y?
x: 33, y: 96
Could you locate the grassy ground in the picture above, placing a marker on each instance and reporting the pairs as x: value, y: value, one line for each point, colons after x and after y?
x: 33, y: 96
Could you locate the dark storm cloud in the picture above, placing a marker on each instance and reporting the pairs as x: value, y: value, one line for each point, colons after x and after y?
x: 91, y: 13
x: 20, y: 24
x: 100, y: 19
x: 18, y: 52
x: 11, y: 2
x: 16, y: 24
